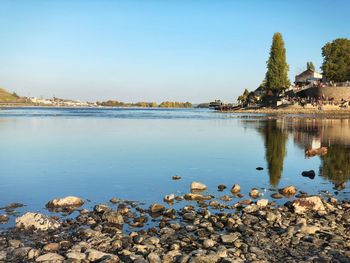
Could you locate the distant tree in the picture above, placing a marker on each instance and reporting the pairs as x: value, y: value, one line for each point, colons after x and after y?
x: 310, y: 65
x: 336, y: 60
x: 244, y: 97
x: 172, y: 104
x: 277, y: 67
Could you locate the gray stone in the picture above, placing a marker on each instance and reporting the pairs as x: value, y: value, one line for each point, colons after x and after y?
x: 50, y: 257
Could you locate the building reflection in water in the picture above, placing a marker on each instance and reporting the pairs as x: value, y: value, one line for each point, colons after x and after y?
x: 331, y: 133
x: 307, y: 134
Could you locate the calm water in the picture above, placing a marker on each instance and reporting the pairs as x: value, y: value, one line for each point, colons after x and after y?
x: 133, y: 153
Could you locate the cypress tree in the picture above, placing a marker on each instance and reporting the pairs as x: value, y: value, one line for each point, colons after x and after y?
x: 277, y: 67
x: 310, y: 65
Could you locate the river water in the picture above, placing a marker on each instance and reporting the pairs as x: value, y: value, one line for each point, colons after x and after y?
x: 132, y: 154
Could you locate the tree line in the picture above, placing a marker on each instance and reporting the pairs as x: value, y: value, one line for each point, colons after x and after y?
x: 165, y: 104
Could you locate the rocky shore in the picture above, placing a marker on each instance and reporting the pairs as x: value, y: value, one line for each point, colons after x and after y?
x: 230, y: 228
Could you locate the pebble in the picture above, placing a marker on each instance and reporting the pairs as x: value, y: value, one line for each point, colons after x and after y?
x: 198, y: 186
x: 254, y: 193
x: 235, y: 188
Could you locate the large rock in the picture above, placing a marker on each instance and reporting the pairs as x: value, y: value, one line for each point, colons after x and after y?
x: 36, y: 221
x: 113, y: 217
x: 169, y: 198
x: 288, y: 191
x: 50, y: 257
x: 197, y: 197
x: 312, y: 203
x: 95, y: 255
x: 69, y: 201
x: 196, y: 186
x: 157, y: 208
x: 4, y: 219
x: 74, y: 255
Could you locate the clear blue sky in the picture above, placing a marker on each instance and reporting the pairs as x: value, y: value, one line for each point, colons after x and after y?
x: 157, y: 50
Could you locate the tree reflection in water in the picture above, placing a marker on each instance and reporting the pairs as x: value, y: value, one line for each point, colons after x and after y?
x: 275, y: 150
x: 335, y: 165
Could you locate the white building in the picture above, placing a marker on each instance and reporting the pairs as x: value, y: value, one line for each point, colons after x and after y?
x: 309, y: 76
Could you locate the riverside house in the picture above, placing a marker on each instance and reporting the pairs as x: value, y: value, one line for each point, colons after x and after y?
x: 307, y: 77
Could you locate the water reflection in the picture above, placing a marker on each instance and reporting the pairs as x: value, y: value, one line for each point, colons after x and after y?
x: 308, y: 134
x: 335, y: 165
x: 275, y: 140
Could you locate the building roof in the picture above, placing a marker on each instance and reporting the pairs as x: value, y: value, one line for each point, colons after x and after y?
x: 306, y: 72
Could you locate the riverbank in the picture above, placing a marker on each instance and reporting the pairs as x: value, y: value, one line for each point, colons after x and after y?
x: 230, y: 228
x: 329, y: 110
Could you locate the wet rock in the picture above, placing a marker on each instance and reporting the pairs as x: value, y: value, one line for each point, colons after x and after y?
x: 254, y: 193
x: 310, y: 174
x: 276, y: 196
x: 157, y: 208
x: 179, y: 198
x: 236, y: 188
x: 198, y: 186
x: 312, y: 203
x: 69, y: 201
x: 4, y: 219
x: 36, y: 221
x: 12, y: 206
x: 225, y: 198
x: 340, y: 186
x: 50, y: 257
x: 176, y: 177
x: 221, y: 187
x: 101, y: 208
x: 197, y: 197
x: 113, y: 217
x: 169, y: 198
x: 288, y: 191
x: 114, y: 200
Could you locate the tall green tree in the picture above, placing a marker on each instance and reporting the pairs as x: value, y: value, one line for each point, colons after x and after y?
x: 336, y: 60
x: 310, y: 65
x: 277, y: 67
